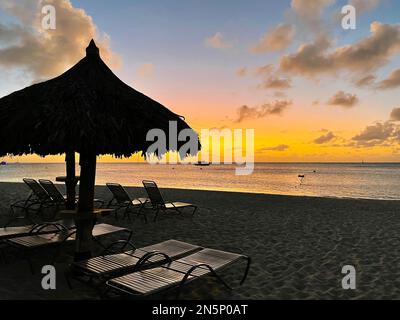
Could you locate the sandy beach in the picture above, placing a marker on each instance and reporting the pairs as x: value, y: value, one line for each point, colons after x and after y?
x: 298, y: 246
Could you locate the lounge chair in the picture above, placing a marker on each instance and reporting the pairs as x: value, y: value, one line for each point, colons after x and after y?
x: 46, y: 227
x: 177, y: 273
x: 110, y: 264
x: 36, y: 201
x: 58, y: 198
x: 8, y: 233
x: 27, y: 244
x: 122, y: 201
x: 158, y: 204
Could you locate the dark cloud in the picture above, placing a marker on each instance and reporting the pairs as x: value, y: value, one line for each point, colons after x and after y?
x: 364, y: 5
x: 391, y: 82
x: 366, y: 81
x: 319, y: 57
x: 395, y: 114
x: 276, y: 83
x: 281, y: 147
x: 325, y: 138
x: 275, y: 108
x: 346, y: 100
x: 309, y: 13
x: 377, y: 133
x: 278, y: 38
x: 264, y: 70
x: 46, y: 53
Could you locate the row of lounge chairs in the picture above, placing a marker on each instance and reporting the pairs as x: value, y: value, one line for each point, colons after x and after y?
x: 153, y: 269
x: 121, y: 201
x: 45, y: 195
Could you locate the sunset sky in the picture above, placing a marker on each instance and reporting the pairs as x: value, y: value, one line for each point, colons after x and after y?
x: 311, y: 90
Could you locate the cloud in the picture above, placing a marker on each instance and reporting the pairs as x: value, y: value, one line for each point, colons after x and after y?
x: 280, y: 148
x: 275, y: 108
x: 242, y: 72
x: 309, y: 12
x: 217, y: 41
x: 325, y: 138
x: 391, y: 82
x: 279, y: 38
x: 276, y: 83
x: 346, y: 100
x: 370, y: 53
x: 364, y: 5
x: 146, y: 70
x: 395, y: 114
x: 366, y: 81
x: 46, y: 53
x: 279, y: 94
x: 376, y: 133
x: 264, y: 70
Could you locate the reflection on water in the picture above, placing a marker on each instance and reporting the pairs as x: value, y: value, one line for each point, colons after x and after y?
x: 377, y: 181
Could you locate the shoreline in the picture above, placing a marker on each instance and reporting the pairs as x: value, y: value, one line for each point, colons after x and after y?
x: 62, y: 186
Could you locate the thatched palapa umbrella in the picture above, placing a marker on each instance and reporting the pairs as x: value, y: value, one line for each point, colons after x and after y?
x: 87, y: 110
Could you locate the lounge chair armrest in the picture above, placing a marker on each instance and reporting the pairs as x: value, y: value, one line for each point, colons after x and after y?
x: 202, y: 265
x: 149, y: 255
x: 68, y: 235
x: 39, y: 227
x: 125, y: 243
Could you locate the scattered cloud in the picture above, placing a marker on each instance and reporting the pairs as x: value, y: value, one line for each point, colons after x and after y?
x: 46, y: 53
x: 264, y: 70
x: 279, y: 94
x: 370, y: 53
x: 217, y: 41
x: 391, y: 82
x: 242, y: 72
x: 146, y: 70
x: 346, y: 100
x: 366, y: 81
x: 325, y: 138
x: 276, y: 83
x: 275, y: 108
x: 276, y: 39
x: 377, y: 133
x: 395, y: 114
x: 280, y: 148
x: 364, y: 5
x: 309, y: 12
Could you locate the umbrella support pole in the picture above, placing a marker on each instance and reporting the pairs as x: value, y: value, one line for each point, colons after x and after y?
x: 84, y: 220
x: 70, y: 183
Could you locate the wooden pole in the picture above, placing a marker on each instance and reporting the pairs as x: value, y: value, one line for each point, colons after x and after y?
x: 70, y: 183
x: 85, y: 218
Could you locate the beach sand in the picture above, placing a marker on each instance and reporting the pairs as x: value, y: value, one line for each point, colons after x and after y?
x: 298, y: 246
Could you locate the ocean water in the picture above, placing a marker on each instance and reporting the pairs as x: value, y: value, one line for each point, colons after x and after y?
x: 351, y: 180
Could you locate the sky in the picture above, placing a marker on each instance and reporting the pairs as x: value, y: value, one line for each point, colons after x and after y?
x: 310, y: 89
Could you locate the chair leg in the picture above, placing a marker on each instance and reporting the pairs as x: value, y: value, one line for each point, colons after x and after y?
x: 246, y: 270
x: 141, y: 211
x: 156, y: 215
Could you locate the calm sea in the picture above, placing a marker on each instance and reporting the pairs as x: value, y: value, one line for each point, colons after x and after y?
x: 354, y: 180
